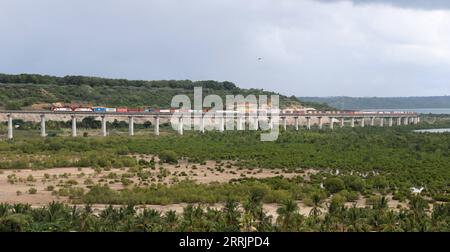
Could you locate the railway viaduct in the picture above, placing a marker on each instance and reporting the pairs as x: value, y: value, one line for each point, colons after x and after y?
x: 330, y: 119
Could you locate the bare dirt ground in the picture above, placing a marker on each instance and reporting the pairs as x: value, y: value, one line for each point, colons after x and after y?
x: 15, y: 185
x: 14, y: 181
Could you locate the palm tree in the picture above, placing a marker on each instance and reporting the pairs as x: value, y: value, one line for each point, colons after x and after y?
x: 4, y: 209
x: 418, y: 205
x: 171, y: 219
x: 149, y: 221
x: 317, y: 202
x: 287, y: 214
x: 381, y: 204
x: 247, y: 223
x: 231, y: 215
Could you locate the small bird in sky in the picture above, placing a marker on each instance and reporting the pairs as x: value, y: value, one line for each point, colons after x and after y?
x: 259, y: 58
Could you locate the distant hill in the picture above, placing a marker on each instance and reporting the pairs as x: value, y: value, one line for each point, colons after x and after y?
x: 28, y: 90
x: 343, y: 102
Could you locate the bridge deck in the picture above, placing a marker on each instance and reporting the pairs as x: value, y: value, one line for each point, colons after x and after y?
x: 160, y: 114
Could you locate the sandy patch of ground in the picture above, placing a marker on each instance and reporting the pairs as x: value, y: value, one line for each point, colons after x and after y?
x: 211, y: 171
x: 15, y: 184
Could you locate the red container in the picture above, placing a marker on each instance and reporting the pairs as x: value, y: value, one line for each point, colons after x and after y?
x: 121, y: 110
x: 135, y: 110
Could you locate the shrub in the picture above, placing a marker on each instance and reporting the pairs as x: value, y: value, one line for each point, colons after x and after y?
x: 13, y: 106
x: 88, y: 181
x: 348, y: 196
x: 76, y: 193
x: 334, y: 185
x: 441, y: 197
x: 14, y: 223
x: 71, y: 182
x: 338, y: 199
x: 354, y: 183
x: 30, y: 178
x: 32, y: 190
x: 168, y: 156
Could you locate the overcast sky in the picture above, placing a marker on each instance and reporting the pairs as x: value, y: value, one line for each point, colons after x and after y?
x: 308, y: 47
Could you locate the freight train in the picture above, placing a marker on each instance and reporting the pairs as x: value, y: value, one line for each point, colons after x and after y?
x: 173, y: 110
x: 118, y: 110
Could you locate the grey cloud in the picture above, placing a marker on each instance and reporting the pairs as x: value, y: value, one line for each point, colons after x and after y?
x: 307, y: 48
x: 416, y: 4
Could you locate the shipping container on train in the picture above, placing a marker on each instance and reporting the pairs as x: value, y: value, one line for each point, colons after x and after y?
x: 135, y: 110
x: 82, y: 109
x: 121, y: 110
x: 61, y: 109
x: 98, y: 109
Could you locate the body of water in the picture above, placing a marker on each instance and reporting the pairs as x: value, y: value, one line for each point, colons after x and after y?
x: 432, y: 130
x: 417, y: 110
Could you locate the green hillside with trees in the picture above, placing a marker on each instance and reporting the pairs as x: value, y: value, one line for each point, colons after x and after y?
x: 23, y: 90
x: 344, y: 102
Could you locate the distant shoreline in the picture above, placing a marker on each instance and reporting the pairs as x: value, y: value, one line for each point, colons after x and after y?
x: 417, y: 110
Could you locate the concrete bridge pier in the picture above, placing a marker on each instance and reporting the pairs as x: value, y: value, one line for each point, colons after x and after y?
x: 352, y: 122
x: 363, y: 122
x: 103, y: 126
x: 43, y: 134
x: 10, y: 127
x: 342, y: 122
x: 270, y: 122
x: 331, y: 123
x: 296, y: 123
x: 391, y: 121
x: 74, y: 125
x: 416, y: 120
x: 255, y: 122
x: 284, y: 123
x: 308, y: 122
x: 202, y: 124
x: 157, y: 126
x: 180, y: 126
x: 372, y: 121
x: 240, y: 123
x: 399, y: 121
x: 221, y: 123
x: 406, y: 121
x: 320, y: 122
x: 381, y: 121
x: 131, y: 126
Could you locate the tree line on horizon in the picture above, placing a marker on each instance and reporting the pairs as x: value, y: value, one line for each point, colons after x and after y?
x: 357, y: 103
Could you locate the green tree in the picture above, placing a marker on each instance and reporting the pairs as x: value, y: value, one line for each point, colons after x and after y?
x: 334, y: 185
